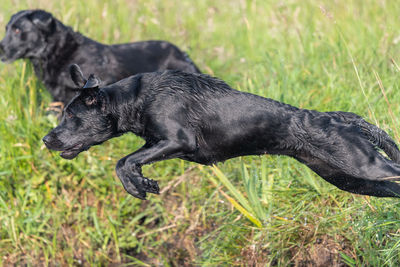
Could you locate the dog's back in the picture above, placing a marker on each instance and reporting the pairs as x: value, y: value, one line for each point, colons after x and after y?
x: 152, y: 55
x: 213, y: 111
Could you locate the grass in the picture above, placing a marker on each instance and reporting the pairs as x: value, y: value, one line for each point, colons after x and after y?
x: 263, y: 211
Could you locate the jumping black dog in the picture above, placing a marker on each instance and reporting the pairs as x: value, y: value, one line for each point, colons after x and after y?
x: 52, y: 47
x: 199, y: 118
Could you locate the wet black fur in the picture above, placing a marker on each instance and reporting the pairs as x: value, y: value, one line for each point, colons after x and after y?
x: 52, y: 47
x: 199, y: 118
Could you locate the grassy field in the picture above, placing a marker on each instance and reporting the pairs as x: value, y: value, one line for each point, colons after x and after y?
x: 250, y: 211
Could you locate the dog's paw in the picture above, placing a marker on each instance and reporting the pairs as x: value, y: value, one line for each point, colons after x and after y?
x: 134, y: 191
x: 150, y: 186
x: 137, y: 186
x: 144, y: 184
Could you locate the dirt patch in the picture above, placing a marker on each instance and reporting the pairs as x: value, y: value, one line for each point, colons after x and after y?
x: 324, y: 251
x: 177, y: 232
x: 253, y: 255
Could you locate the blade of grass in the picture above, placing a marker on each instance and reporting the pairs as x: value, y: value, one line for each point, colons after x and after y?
x: 235, y: 192
x: 234, y: 203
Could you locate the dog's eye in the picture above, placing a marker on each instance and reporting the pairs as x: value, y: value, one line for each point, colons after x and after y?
x: 16, y: 30
x: 69, y: 114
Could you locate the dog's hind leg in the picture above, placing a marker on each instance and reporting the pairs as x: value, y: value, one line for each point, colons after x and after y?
x: 342, y: 179
x: 375, y: 135
x: 353, y: 164
x: 366, y: 187
x: 381, y: 139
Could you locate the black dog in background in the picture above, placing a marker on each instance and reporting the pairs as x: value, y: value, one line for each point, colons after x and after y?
x: 52, y: 47
x: 199, y: 118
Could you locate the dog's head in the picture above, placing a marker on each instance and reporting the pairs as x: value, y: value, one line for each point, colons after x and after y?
x: 26, y: 35
x: 86, y: 120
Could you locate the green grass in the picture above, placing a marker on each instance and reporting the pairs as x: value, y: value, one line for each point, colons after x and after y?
x: 325, y: 55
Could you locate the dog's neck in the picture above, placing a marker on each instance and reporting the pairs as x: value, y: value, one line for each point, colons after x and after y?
x: 125, y: 106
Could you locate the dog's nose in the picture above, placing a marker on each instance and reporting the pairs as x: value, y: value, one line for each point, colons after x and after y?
x: 46, y: 140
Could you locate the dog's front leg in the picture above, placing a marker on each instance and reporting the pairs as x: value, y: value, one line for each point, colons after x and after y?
x: 133, y: 181
x: 129, y: 168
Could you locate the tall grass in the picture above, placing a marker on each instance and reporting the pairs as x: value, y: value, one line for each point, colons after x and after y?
x: 325, y: 55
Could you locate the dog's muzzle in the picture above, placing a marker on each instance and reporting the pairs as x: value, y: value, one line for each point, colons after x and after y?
x: 2, y: 53
x: 52, y: 142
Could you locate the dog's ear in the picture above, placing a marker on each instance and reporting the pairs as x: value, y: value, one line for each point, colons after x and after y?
x: 92, y: 82
x: 42, y: 19
x: 77, y: 75
x: 91, y: 89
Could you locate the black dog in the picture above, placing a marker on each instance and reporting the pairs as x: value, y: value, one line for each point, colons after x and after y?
x: 52, y: 47
x: 201, y: 119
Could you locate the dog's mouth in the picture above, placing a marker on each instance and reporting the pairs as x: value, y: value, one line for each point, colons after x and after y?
x: 9, y: 58
x: 6, y: 59
x: 3, y: 58
x: 72, y: 152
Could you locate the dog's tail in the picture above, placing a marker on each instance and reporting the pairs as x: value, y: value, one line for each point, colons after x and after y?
x: 375, y: 135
